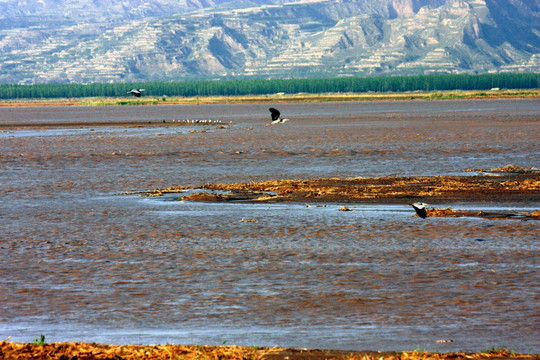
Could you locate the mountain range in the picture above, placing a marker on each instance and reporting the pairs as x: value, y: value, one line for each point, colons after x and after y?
x: 84, y: 41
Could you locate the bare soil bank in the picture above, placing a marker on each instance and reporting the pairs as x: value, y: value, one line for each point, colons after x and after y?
x: 83, y: 351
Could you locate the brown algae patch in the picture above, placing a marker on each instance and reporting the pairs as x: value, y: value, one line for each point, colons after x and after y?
x: 157, y: 352
x: 519, y: 187
x: 507, y: 169
x: 449, y: 212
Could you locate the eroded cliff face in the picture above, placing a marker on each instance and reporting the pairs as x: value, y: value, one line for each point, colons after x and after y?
x: 134, y: 40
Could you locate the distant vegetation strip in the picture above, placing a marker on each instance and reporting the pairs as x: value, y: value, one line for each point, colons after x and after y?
x: 428, y: 83
x: 279, y: 97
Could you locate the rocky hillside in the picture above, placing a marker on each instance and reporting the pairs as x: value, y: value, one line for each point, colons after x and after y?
x: 134, y: 40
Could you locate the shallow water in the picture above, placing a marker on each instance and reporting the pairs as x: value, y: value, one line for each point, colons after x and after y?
x: 82, y: 261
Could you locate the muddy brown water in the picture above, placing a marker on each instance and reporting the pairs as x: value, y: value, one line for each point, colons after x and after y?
x: 82, y: 261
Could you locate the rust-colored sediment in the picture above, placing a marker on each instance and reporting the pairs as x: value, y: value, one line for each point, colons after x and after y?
x: 83, y: 351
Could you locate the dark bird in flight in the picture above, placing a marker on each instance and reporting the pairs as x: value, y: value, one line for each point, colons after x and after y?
x: 276, y: 117
x: 135, y: 92
x: 420, y: 209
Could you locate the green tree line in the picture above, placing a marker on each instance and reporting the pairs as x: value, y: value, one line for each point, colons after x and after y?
x: 291, y: 86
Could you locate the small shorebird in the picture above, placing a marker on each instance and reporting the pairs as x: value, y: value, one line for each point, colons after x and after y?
x: 420, y: 209
x: 135, y: 92
x: 276, y: 117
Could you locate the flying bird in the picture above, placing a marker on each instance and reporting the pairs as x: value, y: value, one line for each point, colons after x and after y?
x: 420, y: 209
x: 276, y: 117
x: 135, y: 92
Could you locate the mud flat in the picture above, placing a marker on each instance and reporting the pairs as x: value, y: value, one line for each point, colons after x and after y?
x: 82, y: 262
x: 82, y: 351
x: 507, y: 184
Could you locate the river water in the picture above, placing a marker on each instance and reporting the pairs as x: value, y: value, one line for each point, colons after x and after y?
x: 84, y: 257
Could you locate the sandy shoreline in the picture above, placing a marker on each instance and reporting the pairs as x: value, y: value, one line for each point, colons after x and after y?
x: 82, y: 351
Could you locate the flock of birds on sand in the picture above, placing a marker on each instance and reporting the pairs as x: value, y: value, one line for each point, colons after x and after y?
x: 419, y: 207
